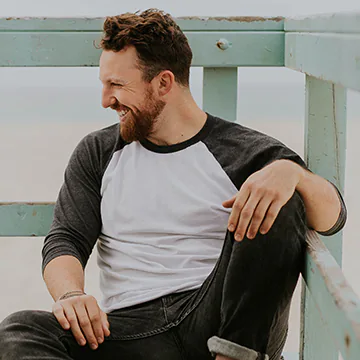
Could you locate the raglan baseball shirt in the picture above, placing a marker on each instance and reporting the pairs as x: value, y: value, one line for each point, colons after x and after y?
x: 156, y: 211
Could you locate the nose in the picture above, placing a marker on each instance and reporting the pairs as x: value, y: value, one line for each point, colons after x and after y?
x: 107, y: 99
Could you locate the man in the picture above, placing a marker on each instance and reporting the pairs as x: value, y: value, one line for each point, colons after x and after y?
x: 200, y: 222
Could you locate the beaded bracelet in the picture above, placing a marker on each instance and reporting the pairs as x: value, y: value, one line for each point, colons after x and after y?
x: 71, y: 294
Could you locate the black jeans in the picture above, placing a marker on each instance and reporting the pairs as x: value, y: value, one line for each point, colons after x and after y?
x: 241, y: 310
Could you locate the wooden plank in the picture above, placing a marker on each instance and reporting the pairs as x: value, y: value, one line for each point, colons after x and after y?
x: 77, y: 48
x: 329, y: 23
x: 220, y: 92
x: 25, y: 219
x: 315, y: 336
x: 325, y: 137
x: 239, y: 23
x: 335, y: 300
x: 331, y: 57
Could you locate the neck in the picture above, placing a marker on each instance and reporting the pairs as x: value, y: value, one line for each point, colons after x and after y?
x: 178, y: 122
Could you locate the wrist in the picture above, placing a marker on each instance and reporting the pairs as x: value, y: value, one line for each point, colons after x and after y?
x: 70, y: 294
x: 299, y: 173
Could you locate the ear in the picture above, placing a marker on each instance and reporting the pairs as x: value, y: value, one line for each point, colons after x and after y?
x: 166, y: 81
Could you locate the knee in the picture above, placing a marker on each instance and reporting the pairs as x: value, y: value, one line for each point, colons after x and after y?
x: 23, y: 318
x: 22, y: 326
x: 26, y: 321
x: 291, y: 220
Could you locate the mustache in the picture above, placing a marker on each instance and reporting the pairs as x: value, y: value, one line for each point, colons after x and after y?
x: 118, y: 107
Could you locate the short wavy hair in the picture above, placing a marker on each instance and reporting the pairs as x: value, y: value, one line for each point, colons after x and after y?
x: 158, y: 40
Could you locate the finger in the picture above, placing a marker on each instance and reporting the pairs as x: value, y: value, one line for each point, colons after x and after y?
x: 271, y: 216
x: 239, y: 203
x: 58, y: 311
x: 93, y: 312
x: 258, y: 217
x: 105, y: 324
x: 229, y: 203
x: 73, y: 320
x: 245, y: 216
x: 85, y: 324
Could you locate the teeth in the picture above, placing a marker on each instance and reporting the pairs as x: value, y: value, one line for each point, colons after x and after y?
x: 123, y: 112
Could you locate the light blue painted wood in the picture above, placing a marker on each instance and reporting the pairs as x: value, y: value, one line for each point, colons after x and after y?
x: 329, y: 23
x: 332, y: 57
x: 315, y: 337
x: 336, y: 302
x: 291, y: 356
x: 239, y: 23
x: 25, y: 219
x: 77, y: 49
x: 220, y: 92
x: 325, y: 139
x: 325, y: 143
x: 245, y: 49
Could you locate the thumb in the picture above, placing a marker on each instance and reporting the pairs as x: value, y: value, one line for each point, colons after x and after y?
x: 229, y: 203
x: 105, y: 324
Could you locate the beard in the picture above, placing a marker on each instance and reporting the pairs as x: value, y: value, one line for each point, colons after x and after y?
x: 140, y: 124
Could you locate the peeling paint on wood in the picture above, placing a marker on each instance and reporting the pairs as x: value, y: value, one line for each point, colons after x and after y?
x: 335, y: 300
x: 192, y: 23
x: 247, y: 19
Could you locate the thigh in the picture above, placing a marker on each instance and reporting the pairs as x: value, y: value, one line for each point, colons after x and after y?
x: 252, y: 282
x: 204, y: 320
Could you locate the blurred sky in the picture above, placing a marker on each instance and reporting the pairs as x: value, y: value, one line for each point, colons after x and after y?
x: 176, y: 8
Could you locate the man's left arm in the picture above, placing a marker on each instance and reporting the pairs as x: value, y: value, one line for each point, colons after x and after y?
x: 261, y: 197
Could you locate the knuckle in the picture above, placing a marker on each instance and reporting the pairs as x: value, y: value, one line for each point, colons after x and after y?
x: 237, y: 205
x: 91, y: 337
x: 257, y: 190
x: 57, y: 311
x: 274, y: 192
x: 271, y: 214
x: 77, y: 300
x: 72, y: 319
x: 247, y: 213
x: 84, y: 321
x: 95, y: 317
x: 256, y: 218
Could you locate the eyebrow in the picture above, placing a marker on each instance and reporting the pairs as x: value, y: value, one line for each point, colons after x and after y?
x: 112, y: 79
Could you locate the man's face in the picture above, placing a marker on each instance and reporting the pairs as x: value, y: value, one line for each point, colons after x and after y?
x: 124, y: 90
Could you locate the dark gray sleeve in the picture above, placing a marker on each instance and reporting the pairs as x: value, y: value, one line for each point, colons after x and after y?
x: 77, y: 221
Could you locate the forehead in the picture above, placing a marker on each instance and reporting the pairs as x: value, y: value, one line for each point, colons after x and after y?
x: 119, y: 65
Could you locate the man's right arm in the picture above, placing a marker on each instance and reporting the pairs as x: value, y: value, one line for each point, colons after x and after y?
x: 69, y: 243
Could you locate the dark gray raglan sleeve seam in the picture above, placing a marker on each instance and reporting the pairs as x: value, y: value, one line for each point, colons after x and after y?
x: 77, y: 219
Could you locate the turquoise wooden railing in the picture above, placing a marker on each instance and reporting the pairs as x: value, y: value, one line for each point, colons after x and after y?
x: 325, y: 48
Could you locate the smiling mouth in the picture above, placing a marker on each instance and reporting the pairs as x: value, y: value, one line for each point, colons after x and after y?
x: 122, y: 114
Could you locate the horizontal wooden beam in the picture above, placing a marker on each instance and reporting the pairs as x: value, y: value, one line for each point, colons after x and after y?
x: 239, y: 23
x: 72, y: 49
x: 25, y: 219
x: 336, y: 301
x: 329, y: 23
x: 330, y: 57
